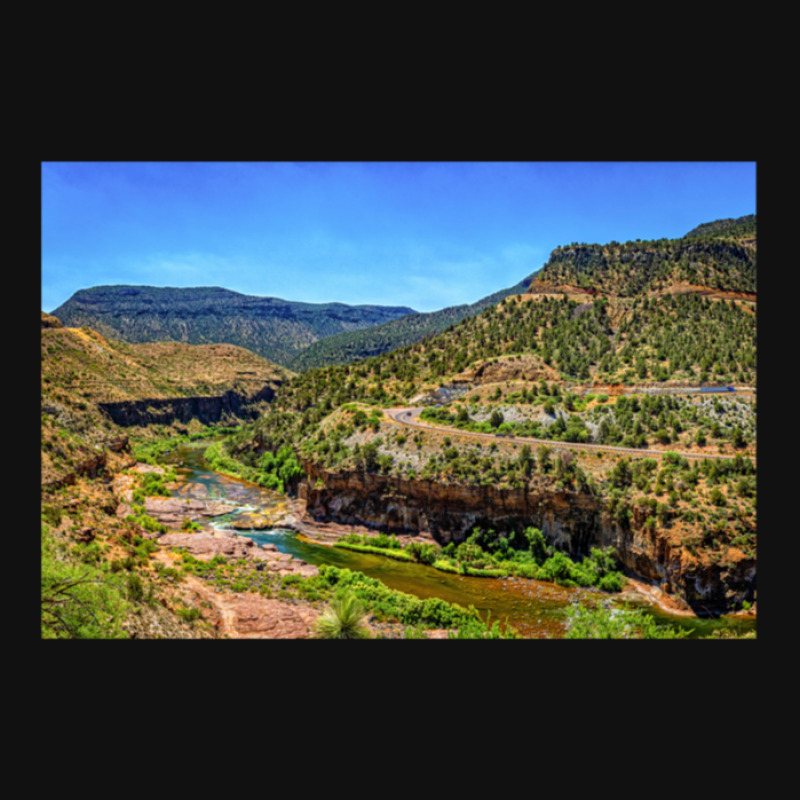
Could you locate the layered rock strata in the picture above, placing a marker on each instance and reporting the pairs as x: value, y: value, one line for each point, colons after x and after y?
x: 165, y: 411
x: 571, y: 521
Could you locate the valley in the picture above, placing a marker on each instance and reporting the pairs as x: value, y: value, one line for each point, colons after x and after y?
x: 575, y: 457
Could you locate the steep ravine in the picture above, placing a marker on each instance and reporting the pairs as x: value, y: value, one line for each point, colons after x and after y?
x: 572, y: 521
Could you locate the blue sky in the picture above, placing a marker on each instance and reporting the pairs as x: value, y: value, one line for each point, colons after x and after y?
x: 425, y: 235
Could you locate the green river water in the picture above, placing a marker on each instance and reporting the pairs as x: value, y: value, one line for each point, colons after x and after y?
x: 536, y: 608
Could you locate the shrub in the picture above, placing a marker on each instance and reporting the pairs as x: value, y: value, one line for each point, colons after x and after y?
x: 189, y: 614
x: 604, y: 623
x: 135, y: 588
x: 717, y: 497
x: 51, y: 515
x: 78, y: 601
x: 343, y: 619
x: 611, y: 583
x: 424, y: 553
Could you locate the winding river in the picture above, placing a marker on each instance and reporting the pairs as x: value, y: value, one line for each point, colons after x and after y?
x: 536, y: 608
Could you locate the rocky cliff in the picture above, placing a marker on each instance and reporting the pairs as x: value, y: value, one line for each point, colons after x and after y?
x: 165, y: 411
x: 571, y: 521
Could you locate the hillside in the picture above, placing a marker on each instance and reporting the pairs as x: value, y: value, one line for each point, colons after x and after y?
x: 613, y: 317
x: 717, y: 256
x: 560, y: 330
x: 736, y: 227
x: 84, y: 375
x: 343, y: 348
x: 275, y: 329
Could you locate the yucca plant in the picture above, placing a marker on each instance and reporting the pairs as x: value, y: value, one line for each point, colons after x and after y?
x: 343, y: 619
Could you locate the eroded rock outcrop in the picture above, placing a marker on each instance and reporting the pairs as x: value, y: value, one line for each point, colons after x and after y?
x: 231, y: 545
x: 89, y: 466
x: 523, y: 367
x: 572, y: 521
x: 165, y: 411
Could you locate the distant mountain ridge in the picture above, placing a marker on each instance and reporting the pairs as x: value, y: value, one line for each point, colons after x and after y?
x: 715, y: 257
x: 344, y: 348
x: 740, y: 225
x: 719, y: 255
x: 275, y: 329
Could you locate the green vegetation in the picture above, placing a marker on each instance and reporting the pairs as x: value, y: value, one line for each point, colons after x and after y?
x: 423, y: 553
x: 153, y: 484
x: 381, y: 545
x: 378, y: 600
x: 723, y: 228
x: 491, y: 555
x: 344, y: 348
x: 389, y: 604
x: 79, y: 600
x: 86, y: 593
x: 280, y: 471
x: 151, y: 451
x: 614, y: 623
x: 638, y: 421
x: 573, y: 430
x: 189, y: 614
x: 712, y: 255
x: 527, y: 555
x: 632, y: 421
x: 343, y: 619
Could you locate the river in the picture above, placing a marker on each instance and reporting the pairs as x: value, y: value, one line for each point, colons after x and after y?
x: 536, y: 608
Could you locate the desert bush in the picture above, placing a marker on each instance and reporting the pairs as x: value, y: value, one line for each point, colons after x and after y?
x: 343, y: 619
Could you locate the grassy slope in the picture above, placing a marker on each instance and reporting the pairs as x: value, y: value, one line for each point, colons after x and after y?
x: 81, y: 368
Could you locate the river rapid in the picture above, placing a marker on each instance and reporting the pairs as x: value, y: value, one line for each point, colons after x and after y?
x: 536, y: 608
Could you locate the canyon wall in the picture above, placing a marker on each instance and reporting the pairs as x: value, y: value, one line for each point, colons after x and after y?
x: 571, y: 521
x: 207, y: 410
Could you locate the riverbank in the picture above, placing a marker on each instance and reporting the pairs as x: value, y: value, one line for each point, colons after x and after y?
x: 671, y: 604
x: 538, y: 607
x: 241, y: 585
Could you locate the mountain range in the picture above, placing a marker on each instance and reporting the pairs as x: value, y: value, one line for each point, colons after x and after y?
x: 275, y: 329
x: 714, y: 257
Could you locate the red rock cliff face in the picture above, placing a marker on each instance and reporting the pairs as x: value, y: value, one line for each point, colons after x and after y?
x: 572, y: 521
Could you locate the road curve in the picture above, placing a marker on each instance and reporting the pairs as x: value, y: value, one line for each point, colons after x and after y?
x: 410, y: 417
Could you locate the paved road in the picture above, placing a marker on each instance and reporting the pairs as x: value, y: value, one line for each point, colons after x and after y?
x: 410, y: 416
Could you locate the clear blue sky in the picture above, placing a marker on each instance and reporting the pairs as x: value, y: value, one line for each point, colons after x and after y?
x: 425, y: 235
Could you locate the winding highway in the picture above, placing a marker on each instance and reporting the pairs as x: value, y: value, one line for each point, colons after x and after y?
x: 410, y: 417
